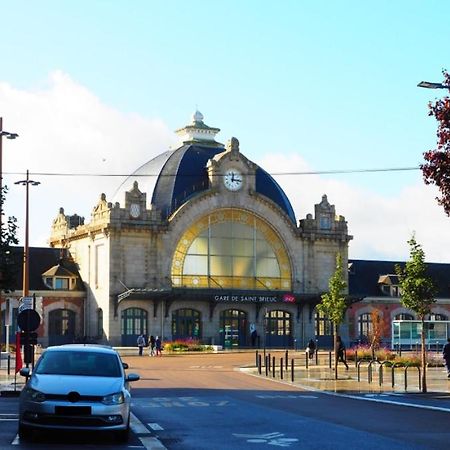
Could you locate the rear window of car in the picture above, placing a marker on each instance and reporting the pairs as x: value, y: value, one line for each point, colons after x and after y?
x: 90, y: 364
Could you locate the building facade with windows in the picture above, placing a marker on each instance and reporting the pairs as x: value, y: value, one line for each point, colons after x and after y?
x: 59, y: 295
x: 377, y: 285
x: 202, y: 243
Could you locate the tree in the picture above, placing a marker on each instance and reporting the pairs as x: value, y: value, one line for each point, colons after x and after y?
x: 436, y: 170
x: 8, y: 262
x: 417, y: 293
x: 377, y: 330
x: 334, y: 304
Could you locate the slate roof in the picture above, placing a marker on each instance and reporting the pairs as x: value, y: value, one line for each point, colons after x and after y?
x: 41, y: 260
x: 173, y: 177
x: 364, y: 275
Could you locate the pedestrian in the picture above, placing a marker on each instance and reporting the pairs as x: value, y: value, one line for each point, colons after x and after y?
x: 342, y: 356
x: 141, y: 343
x: 158, y: 346
x: 254, y: 337
x: 446, y: 355
x: 311, y: 348
x: 152, y: 345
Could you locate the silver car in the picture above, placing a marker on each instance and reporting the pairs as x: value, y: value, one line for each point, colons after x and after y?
x: 77, y: 387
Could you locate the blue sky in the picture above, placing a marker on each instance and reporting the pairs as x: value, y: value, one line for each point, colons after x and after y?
x: 320, y: 85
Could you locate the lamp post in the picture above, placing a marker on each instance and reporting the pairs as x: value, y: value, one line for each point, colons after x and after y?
x: 26, y: 259
x: 8, y: 135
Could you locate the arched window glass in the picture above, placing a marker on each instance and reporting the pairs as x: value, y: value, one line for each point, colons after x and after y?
x: 186, y: 324
x: 231, y: 248
x: 324, y: 326
x: 364, y: 325
x: 434, y: 316
x: 403, y: 316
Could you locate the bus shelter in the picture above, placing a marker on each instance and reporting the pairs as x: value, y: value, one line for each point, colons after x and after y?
x: 406, y: 334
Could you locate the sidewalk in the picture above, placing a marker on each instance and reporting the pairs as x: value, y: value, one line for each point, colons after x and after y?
x: 320, y: 377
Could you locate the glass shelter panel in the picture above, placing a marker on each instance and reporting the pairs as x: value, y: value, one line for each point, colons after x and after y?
x: 406, y: 334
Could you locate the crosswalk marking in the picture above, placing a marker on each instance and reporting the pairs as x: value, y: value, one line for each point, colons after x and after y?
x: 155, y: 426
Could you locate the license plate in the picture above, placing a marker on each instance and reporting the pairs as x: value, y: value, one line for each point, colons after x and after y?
x: 73, y: 410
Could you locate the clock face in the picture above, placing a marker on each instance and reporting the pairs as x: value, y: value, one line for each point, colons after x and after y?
x: 135, y: 210
x: 233, y: 179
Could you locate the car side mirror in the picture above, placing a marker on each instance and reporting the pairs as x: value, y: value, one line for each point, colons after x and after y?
x: 132, y: 377
x: 25, y: 372
x: 125, y: 365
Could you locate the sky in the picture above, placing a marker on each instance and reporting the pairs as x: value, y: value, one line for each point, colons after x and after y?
x: 96, y: 88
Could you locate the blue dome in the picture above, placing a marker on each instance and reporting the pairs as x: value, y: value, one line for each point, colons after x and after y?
x: 174, y: 177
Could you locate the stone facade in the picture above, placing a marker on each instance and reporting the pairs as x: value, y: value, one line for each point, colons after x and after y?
x: 125, y: 255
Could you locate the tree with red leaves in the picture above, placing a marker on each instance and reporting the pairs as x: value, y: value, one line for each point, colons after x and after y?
x: 436, y: 170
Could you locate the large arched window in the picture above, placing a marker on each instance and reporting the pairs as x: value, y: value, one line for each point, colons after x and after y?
x: 231, y: 248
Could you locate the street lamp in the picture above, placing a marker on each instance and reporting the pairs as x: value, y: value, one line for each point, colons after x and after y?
x: 8, y: 135
x: 430, y: 85
x: 26, y: 259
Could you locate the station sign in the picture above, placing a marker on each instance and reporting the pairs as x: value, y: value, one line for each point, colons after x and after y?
x: 25, y: 303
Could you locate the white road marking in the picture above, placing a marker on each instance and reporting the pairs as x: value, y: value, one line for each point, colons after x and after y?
x: 7, y: 420
x: 287, y: 396
x: 16, y: 440
x: 151, y: 443
x: 155, y: 426
x: 137, y: 426
x: 275, y: 439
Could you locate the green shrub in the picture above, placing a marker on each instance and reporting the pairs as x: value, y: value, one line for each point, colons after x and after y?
x: 186, y: 345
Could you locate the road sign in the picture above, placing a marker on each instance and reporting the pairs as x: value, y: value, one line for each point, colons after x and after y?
x: 25, y: 303
x: 28, y: 320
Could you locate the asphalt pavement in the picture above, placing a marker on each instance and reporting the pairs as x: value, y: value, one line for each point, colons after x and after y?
x: 361, y: 381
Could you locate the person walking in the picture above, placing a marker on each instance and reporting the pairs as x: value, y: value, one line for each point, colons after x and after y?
x: 446, y: 356
x: 152, y: 345
x: 341, y: 352
x: 158, y: 346
x: 311, y: 348
x: 141, y: 343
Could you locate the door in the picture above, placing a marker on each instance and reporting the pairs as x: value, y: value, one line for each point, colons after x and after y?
x: 61, y: 327
x: 278, y: 329
x: 233, y: 328
x: 133, y: 323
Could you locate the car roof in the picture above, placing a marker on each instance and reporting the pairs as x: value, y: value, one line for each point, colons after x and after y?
x: 82, y: 348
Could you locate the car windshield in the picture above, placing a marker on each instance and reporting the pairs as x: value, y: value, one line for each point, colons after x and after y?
x: 79, y: 363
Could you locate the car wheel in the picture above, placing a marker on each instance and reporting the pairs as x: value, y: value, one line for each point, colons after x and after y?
x: 123, y: 435
x: 25, y: 433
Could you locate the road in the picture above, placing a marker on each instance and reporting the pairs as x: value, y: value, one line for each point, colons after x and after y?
x: 203, y: 402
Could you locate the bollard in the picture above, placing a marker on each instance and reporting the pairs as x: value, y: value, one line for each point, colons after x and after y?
x: 292, y: 369
x: 329, y: 360
x: 356, y: 358
x: 259, y: 364
x: 273, y: 367
x: 306, y: 359
x: 317, y: 354
x: 9, y: 364
x: 269, y: 361
x: 281, y: 368
x: 286, y: 356
x: 256, y: 359
x: 266, y: 366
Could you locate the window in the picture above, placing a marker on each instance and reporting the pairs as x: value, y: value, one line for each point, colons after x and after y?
x: 365, y: 325
x: 231, y: 248
x: 403, y: 316
x: 323, y: 325
x: 325, y: 222
x: 62, y: 283
x: 434, y: 316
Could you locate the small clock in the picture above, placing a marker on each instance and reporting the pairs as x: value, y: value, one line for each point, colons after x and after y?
x: 233, y: 180
x: 135, y: 210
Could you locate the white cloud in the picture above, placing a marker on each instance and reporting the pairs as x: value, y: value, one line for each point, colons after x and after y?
x: 64, y: 128
x: 380, y: 225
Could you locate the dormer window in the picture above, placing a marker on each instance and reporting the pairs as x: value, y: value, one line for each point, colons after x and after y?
x: 389, y: 285
x: 59, y: 278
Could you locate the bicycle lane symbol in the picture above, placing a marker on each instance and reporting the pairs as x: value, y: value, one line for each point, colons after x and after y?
x: 275, y: 439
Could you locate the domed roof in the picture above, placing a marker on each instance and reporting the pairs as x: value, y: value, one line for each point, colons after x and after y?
x: 172, y: 178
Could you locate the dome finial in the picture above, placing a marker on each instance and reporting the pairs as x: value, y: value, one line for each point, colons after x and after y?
x: 197, y: 116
